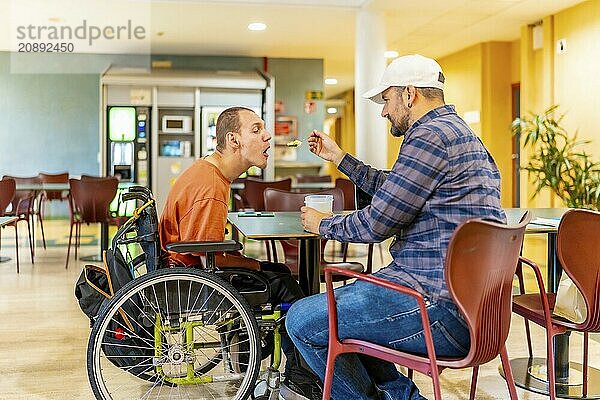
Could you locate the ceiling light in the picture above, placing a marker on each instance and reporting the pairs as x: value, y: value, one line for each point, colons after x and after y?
x: 390, y: 54
x: 331, y: 110
x: 257, y: 26
x: 331, y: 81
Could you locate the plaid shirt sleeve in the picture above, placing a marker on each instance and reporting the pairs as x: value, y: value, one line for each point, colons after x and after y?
x: 421, y: 165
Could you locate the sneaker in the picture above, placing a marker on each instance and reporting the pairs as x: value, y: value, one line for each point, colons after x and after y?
x: 301, y: 384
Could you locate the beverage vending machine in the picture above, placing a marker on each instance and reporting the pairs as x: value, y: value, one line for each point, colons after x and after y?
x: 129, y: 144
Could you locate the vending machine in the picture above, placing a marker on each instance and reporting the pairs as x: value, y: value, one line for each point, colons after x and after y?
x: 156, y: 123
x: 128, y: 144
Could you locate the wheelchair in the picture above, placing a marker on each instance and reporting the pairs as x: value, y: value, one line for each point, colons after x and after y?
x: 174, y: 333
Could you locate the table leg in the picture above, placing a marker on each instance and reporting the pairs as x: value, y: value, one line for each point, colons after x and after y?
x: 309, y: 265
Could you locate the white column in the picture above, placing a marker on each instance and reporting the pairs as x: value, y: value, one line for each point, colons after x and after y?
x: 369, y: 64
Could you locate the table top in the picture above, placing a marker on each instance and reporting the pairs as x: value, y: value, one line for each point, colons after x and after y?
x: 281, y: 225
x: 513, y: 215
x: 287, y: 225
x: 7, y: 220
x: 59, y: 186
x: 295, y: 185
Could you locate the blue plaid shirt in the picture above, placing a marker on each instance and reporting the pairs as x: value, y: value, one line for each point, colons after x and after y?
x: 443, y: 176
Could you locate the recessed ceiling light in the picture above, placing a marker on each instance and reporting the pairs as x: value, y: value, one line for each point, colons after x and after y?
x: 390, y: 54
x: 331, y: 81
x: 257, y: 26
x: 331, y: 110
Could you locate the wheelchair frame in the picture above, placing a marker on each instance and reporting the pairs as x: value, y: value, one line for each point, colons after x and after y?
x: 154, y: 340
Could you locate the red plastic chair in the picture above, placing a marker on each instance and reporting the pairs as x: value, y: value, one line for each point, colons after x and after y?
x: 313, y: 178
x: 281, y: 200
x: 51, y: 195
x: 252, y: 197
x: 23, y: 206
x: 480, y: 264
x: 90, y: 200
x: 577, y: 246
x: 7, y: 193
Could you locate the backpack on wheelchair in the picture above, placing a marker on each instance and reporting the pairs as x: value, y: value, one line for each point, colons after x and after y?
x: 160, y: 332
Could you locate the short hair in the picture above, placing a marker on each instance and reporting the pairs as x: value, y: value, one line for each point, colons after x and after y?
x: 228, y: 121
x: 427, y: 92
x: 432, y: 93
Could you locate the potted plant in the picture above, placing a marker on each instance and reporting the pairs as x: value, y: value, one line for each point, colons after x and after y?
x: 557, y: 160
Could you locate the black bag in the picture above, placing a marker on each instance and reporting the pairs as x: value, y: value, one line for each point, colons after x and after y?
x: 96, y: 284
x: 128, y: 342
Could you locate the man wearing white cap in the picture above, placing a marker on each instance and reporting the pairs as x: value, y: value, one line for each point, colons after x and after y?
x: 443, y: 175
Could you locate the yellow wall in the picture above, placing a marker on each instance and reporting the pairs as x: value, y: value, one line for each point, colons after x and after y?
x: 478, y: 79
x: 463, y: 81
x: 577, y: 72
x: 570, y: 80
x: 496, y: 112
x: 515, y: 61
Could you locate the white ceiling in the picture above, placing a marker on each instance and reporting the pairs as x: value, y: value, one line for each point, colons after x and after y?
x: 324, y: 28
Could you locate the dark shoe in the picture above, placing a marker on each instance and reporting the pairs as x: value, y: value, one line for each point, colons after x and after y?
x: 301, y: 384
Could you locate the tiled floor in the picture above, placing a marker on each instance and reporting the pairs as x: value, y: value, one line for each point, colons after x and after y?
x: 43, y: 334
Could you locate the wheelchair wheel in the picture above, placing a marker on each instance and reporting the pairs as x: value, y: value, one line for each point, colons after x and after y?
x: 173, y: 334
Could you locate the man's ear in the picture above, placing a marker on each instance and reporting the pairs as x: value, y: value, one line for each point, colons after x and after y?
x: 411, y: 94
x: 233, y: 140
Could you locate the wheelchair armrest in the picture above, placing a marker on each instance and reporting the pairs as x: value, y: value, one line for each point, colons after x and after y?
x: 204, y: 247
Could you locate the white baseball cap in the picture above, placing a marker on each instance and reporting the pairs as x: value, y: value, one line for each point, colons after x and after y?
x: 414, y: 70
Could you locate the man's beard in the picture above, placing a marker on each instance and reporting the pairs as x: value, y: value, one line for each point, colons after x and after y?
x: 399, y: 129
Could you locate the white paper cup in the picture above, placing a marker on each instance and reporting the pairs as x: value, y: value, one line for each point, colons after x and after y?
x: 320, y: 202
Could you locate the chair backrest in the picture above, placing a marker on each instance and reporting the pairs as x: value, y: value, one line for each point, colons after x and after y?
x: 22, y: 202
x: 254, y: 188
x: 349, y: 192
x: 91, y: 198
x: 282, y: 200
x: 62, y: 177
x: 313, y: 178
x: 7, y: 192
x: 577, y: 247
x: 480, y: 265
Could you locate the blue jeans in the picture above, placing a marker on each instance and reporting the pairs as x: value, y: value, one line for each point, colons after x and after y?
x: 379, y: 315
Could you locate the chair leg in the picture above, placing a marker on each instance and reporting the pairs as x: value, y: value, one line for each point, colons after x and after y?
x: 474, y: 382
x: 409, y: 373
x: 510, y: 381
x: 328, y: 381
x: 69, y: 246
x: 41, y: 220
x: 550, y: 365
x: 435, y: 376
x: 585, y: 364
x: 17, y: 246
x: 274, y: 250
x: 268, y: 250
x: 528, y: 334
x: 527, y: 331
x: 77, y: 237
x: 31, y: 251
